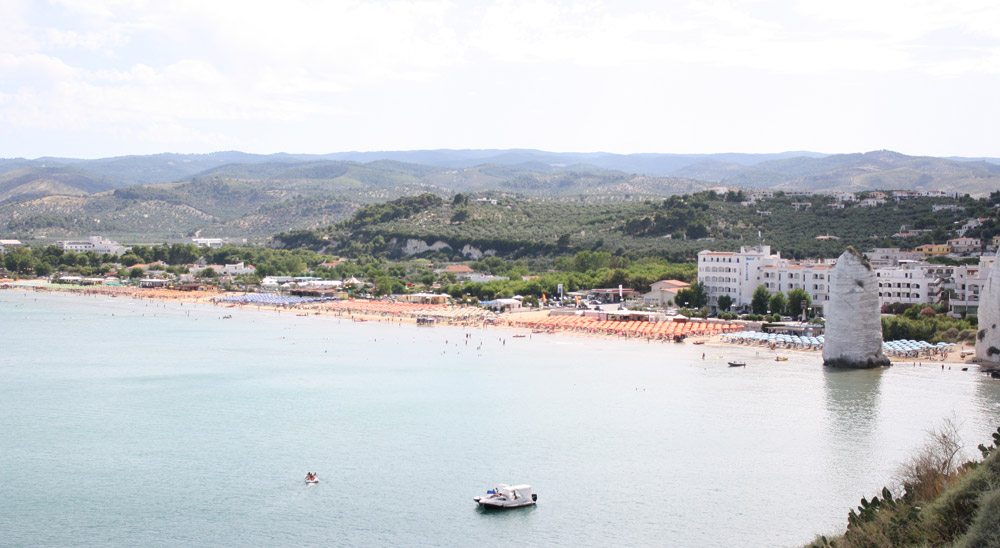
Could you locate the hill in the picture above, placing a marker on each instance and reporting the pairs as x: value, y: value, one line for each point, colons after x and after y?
x: 676, y: 227
x: 799, y: 170
x: 27, y: 182
x: 256, y: 200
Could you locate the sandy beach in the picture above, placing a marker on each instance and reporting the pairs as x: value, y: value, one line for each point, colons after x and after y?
x: 538, y: 322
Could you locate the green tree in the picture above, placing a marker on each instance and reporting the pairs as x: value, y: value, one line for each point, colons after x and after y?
x: 684, y: 297
x: 725, y: 302
x: 796, y: 297
x: 130, y: 259
x: 699, y: 294
x: 760, y: 301
x: 19, y: 259
x: 777, y: 303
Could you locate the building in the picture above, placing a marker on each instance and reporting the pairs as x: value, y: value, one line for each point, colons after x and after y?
x: 966, y: 285
x: 207, y: 242
x: 972, y: 223
x: 760, y: 194
x: 933, y: 250
x: 882, y: 257
x: 911, y: 282
x: 813, y: 277
x: 965, y: 245
x: 613, y: 294
x: 96, y: 244
x: 901, y: 195
x: 234, y: 269
x: 6, y: 245
x: 736, y: 274
x: 459, y: 270
x: 947, y: 207
x: 664, y: 292
x: 871, y: 202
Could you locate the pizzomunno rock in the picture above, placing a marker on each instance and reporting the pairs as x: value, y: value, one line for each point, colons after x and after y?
x: 853, y: 335
x: 988, y: 338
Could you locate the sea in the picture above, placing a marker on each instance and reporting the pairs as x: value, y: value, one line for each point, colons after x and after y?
x: 127, y: 422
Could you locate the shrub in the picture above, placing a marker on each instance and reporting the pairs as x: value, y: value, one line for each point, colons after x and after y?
x: 984, y: 533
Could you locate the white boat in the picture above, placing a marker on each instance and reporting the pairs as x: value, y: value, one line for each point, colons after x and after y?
x: 507, y: 496
x: 312, y: 478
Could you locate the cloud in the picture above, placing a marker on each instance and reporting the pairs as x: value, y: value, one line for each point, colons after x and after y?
x: 172, y: 70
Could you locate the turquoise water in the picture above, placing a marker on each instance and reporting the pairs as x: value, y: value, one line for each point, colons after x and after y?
x: 129, y: 423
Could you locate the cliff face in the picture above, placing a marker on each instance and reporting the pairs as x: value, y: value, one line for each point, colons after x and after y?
x: 853, y: 336
x: 988, y: 338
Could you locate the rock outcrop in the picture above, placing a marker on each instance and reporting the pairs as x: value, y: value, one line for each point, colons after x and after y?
x: 988, y: 337
x: 853, y: 336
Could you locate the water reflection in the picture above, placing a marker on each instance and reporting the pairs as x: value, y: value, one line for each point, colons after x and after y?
x: 987, y: 401
x: 853, y: 398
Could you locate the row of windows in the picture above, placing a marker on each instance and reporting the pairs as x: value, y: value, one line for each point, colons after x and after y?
x: 899, y: 285
x: 720, y: 289
x: 721, y: 260
x: 773, y: 285
x: 794, y: 275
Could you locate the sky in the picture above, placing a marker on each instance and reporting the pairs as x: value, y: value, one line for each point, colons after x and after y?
x: 99, y: 78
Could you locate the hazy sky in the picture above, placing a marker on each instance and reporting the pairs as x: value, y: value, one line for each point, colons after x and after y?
x: 92, y: 78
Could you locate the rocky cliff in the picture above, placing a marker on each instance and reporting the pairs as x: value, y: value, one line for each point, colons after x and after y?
x: 853, y: 336
x: 988, y: 338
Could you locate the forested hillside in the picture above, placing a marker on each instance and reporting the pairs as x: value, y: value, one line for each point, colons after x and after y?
x: 544, y: 202
x: 676, y: 227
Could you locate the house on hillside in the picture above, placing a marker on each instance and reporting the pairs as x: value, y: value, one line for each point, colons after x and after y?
x: 965, y: 245
x: 871, y: 202
x: 933, y: 250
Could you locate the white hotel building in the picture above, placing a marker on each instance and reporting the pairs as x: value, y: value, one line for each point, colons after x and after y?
x: 900, y: 278
x: 739, y: 274
x: 96, y: 244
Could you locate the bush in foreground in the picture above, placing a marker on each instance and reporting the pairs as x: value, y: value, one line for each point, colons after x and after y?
x: 942, y: 503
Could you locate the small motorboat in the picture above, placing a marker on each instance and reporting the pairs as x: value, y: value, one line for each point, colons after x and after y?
x: 698, y: 342
x: 737, y: 364
x: 312, y: 478
x: 519, y: 336
x: 781, y: 358
x: 507, y: 496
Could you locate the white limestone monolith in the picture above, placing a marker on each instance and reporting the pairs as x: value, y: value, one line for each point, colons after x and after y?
x: 853, y: 334
x: 988, y: 337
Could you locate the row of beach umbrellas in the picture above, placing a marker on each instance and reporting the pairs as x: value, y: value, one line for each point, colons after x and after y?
x: 904, y: 346
x: 805, y: 341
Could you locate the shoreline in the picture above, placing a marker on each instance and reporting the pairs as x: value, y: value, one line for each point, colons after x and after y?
x: 451, y: 316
